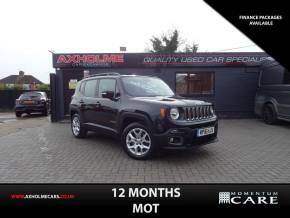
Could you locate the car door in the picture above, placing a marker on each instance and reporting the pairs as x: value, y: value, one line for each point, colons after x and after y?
x: 107, y: 115
x: 89, y: 103
x: 285, y: 96
x: 283, y: 99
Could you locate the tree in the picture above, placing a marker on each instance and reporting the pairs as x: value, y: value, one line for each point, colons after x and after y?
x: 171, y: 43
x: 166, y: 43
x: 191, y: 48
x: 43, y: 87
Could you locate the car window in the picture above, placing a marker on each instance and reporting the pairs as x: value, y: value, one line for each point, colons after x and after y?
x: 117, y: 92
x: 90, y: 88
x: 107, y: 85
x: 30, y: 95
x: 81, y: 87
x: 142, y: 86
x: 287, y: 77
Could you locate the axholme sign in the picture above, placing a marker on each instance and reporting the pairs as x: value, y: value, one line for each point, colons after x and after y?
x: 90, y: 58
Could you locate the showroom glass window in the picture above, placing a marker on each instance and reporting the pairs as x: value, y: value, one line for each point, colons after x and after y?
x: 107, y: 85
x: 195, y: 83
x: 90, y: 88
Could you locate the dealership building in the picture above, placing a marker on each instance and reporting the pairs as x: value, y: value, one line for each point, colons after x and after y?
x: 228, y: 80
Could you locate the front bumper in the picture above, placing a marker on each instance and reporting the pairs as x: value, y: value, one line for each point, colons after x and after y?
x: 186, y: 137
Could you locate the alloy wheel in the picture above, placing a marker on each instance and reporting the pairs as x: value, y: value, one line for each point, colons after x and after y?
x: 138, y: 141
x: 76, y: 126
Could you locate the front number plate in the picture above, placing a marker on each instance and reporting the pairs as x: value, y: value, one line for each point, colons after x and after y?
x: 205, y: 131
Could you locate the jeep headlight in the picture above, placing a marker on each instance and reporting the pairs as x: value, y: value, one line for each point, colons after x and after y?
x: 174, y: 113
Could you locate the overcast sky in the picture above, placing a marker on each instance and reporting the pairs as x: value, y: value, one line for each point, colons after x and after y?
x: 30, y: 28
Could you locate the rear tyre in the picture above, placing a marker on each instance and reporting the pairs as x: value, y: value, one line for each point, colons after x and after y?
x: 45, y: 113
x: 18, y: 114
x: 138, y: 142
x: 269, y: 114
x: 77, y: 128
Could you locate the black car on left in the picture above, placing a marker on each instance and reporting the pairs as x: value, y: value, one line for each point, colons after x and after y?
x: 30, y: 102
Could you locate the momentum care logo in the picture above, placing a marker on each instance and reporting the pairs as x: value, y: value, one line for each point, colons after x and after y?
x: 248, y: 198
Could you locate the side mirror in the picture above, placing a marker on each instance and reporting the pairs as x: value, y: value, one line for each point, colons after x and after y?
x: 108, y: 94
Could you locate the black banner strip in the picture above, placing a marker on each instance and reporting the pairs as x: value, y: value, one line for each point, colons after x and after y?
x: 265, y: 23
x: 158, y: 199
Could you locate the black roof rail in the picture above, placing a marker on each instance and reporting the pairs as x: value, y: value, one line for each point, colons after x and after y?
x: 105, y: 74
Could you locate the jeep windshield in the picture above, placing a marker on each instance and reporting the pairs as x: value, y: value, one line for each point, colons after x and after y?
x: 142, y: 86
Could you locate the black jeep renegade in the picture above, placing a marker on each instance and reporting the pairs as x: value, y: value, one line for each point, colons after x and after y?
x: 143, y: 112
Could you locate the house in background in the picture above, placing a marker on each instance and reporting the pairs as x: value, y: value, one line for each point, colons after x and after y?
x: 26, y: 82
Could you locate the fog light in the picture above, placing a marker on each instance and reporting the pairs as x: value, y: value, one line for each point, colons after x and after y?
x: 175, y: 140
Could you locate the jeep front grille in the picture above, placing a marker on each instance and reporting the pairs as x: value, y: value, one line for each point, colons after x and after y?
x: 197, y: 112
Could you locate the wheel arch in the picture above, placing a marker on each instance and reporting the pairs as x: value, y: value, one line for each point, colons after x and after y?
x: 271, y: 102
x: 73, y: 111
x: 131, y: 117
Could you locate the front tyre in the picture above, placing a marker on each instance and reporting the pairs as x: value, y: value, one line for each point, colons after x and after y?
x: 45, y: 113
x: 76, y: 126
x: 137, y: 141
x: 269, y: 114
